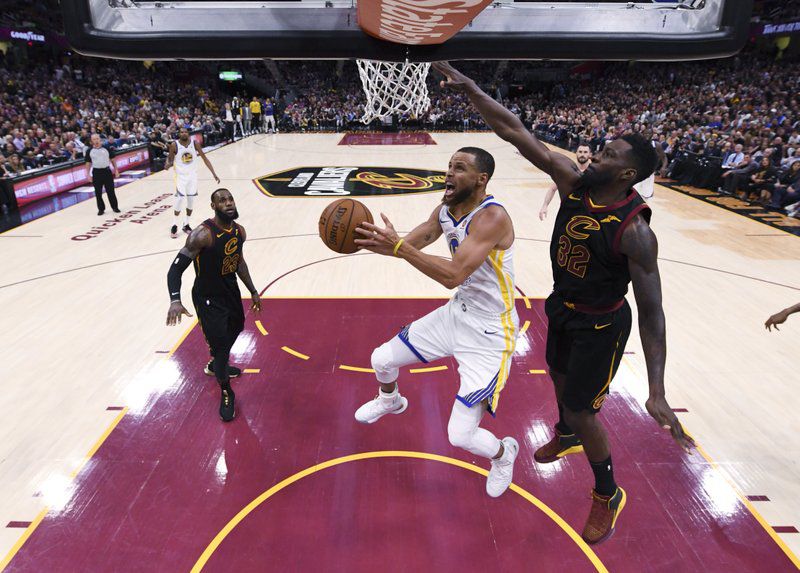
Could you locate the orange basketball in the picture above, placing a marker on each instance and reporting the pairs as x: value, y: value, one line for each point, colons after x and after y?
x: 338, y: 222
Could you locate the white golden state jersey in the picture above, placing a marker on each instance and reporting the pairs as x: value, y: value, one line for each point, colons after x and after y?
x: 185, y: 160
x: 491, y: 287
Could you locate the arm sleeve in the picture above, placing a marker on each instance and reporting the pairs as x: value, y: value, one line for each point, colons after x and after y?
x: 176, y: 269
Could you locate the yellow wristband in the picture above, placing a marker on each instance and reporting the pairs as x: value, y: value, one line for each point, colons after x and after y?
x: 397, y: 246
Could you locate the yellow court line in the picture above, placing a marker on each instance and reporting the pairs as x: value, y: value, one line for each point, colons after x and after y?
x: 252, y: 370
x: 743, y: 498
x: 182, y: 338
x: 35, y: 523
x: 538, y: 371
x: 23, y: 538
x: 239, y: 517
x: 294, y: 352
x: 261, y: 328
x: 525, y: 326
x: 431, y: 369
x: 355, y: 368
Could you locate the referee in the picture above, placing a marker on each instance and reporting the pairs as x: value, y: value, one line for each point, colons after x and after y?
x: 100, y: 174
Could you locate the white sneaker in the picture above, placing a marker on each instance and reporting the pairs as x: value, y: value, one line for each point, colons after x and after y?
x: 503, y: 469
x: 372, y: 411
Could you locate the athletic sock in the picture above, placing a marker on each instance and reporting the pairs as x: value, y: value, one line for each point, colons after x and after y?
x: 561, y: 425
x: 175, y: 219
x: 604, y: 483
x: 389, y: 398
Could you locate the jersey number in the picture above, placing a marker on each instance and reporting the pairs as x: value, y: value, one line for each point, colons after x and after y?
x: 575, y: 259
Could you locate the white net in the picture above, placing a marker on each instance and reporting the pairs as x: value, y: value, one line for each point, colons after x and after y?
x: 393, y: 87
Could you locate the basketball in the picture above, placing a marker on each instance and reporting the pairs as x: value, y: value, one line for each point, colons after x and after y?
x: 338, y: 222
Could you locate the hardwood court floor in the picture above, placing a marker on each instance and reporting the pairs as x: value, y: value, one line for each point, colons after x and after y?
x: 83, y: 321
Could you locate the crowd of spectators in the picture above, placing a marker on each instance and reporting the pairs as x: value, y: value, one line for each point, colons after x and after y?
x: 716, y: 121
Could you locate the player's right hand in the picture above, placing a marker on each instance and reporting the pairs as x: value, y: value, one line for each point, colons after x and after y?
x: 775, y: 320
x: 175, y: 312
x: 454, y: 78
x: 543, y: 214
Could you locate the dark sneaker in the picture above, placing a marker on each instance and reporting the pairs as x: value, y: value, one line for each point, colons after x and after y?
x: 603, y: 516
x: 187, y: 229
x: 227, y: 405
x: 233, y: 372
x: 561, y: 445
x: 116, y: 210
x: 100, y: 213
x: 173, y: 232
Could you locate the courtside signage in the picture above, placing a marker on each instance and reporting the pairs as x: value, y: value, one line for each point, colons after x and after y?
x: 350, y: 181
x: 417, y: 21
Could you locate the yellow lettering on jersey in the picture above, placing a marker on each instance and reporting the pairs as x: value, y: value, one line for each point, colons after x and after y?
x: 611, y: 219
x: 230, y: 246
x: 581, y: 223
x: 571, y: 196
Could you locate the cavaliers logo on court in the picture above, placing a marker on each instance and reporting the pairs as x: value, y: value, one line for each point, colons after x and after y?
x: 350, y: 181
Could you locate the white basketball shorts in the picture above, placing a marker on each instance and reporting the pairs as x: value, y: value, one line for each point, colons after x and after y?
x: 482, y: 344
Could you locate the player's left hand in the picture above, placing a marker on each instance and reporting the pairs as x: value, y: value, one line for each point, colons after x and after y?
x: 775, y: 320
x: 216, y: 178
x: 453, y: 78
x: 255, y: 303
x: 377, y: 240
x: 661, y: 412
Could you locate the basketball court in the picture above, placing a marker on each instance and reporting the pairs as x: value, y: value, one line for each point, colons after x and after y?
x: 113, y: 457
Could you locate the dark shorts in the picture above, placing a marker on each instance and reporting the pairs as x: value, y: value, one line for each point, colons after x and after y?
x: 586, y: 349
x: 221, y: 318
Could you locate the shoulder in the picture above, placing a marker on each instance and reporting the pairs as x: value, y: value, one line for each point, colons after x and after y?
x: 491, y: 216
x: 201, y: 237
x: 639, y: 242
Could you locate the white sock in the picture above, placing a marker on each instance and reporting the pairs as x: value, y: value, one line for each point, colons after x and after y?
x: 391, y: 397
x: 185, y: 220
x: 175, y: 219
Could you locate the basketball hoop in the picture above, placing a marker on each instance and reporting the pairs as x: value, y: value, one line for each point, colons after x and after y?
x: 393, y: 87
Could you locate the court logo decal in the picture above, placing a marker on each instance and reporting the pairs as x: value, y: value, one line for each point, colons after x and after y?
x: 350, y: 181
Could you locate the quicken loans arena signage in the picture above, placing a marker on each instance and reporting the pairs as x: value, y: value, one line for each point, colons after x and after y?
x: 350, y: 181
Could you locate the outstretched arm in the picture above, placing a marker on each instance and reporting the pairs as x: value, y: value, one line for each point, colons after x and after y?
x: 487, y: 229
x: 640, y: 246
x: 243, y: 272
x: 197, y: 240
x: 780, y: 317
x: 547, y: 198
x: 509, y: 127
x: 203, y: 156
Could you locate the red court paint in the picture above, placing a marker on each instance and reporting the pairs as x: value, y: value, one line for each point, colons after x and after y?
x: 411, y: 138
x: 171, y: 475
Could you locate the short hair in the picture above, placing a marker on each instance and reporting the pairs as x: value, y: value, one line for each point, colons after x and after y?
x: 215, y: 191
x: 645, y: 158
x: 483, y: 159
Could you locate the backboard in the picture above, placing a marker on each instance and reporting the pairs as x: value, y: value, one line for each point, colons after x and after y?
x: 661, y: 30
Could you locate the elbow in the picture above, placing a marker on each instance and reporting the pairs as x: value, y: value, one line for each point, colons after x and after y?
x: 453, y: 280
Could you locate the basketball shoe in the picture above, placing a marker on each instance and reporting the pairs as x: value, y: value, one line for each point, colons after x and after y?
x: 502, y: 469
x: 187, y: 229
x: 173, y: 232
x: 561, y: 445
x: 227, y: 405
x: 603, y: 516
x: 233, y: 372
x: 383, y: 404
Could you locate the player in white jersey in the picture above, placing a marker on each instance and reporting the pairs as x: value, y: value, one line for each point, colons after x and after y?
x: 478, y: 326
x: 186, y: 152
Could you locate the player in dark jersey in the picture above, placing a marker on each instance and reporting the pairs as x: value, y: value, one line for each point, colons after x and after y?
x: 215, y: 247
x: 601, y: 241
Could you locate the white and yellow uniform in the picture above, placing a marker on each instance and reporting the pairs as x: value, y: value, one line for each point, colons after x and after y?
x: 185, y: 169
x: 478, y: 326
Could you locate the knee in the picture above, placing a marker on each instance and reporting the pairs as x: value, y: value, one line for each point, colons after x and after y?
x: 459, y: 435
x: 578, y: 420
x: 382, y: 361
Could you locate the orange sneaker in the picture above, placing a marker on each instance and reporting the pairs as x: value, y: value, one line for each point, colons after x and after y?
x: 603, y: 516
x: 561, y: 445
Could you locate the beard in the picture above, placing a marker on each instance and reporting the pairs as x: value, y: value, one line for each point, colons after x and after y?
x: 583, y: 160
x: 456, y: 198
x: 225, y: 218
x: 592, y: 178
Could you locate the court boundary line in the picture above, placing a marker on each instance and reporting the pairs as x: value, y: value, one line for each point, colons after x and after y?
x: 43, y: 513
x: 250, y: 507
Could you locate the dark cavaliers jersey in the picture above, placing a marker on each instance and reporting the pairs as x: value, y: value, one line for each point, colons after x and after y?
x: 588, y: 268
x: 216, y: 266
